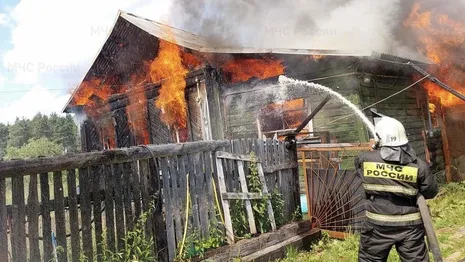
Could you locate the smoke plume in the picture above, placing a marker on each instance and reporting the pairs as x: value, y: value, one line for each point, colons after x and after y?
x: 355, y: 25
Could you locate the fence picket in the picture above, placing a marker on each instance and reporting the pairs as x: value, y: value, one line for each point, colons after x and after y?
x: 85, y: 188
x: 119, y: 205
x: 60, y: 220
x: 19, y: 219
x: 3, y: 225
x: 33, y: 211
x: 73, y: 215
x: 46, y: 219
x: 97, y: 173
x: 109, y: 208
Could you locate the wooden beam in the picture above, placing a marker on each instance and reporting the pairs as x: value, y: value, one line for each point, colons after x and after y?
x: 120, y: 155
x: 279, y: 167
x: 233, y: 156
x: 337, y: 234
x: 246, y: 247
x: 279, y: 250
x: 243, y: 196
x: 445, y: 145
x: 345, y: 148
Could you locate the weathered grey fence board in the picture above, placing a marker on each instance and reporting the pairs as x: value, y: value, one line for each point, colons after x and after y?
x: 19, y: 213
x: 121, y: 155
x: 73, y: 215
x: 33, y: 210
x: 3, y: 224
x: 207, y: 159
x: 200, y: 188
x: 171, y: 240
x: 85, y: 188
x: 176, y: 195
x: 119, y: 205
x: 129, y: 219
x: 97, y: 174
x: 135, y: 183
x: 46, y: 219
x: 60, y: 220
x: 146, y: 203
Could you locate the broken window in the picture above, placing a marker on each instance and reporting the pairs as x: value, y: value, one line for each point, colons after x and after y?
x: 282, y: 115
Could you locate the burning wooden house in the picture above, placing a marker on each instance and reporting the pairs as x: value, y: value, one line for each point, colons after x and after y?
x: 151, y: 83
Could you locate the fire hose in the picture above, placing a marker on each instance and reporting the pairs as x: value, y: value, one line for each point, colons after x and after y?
x: 429, y: 228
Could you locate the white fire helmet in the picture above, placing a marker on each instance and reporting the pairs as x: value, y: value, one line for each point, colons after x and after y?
x: 390, y: 132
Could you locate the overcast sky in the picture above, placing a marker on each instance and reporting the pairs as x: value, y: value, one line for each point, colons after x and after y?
x: 46, y: 46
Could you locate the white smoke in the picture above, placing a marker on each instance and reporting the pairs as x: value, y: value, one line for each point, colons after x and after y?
x: 353, y: 25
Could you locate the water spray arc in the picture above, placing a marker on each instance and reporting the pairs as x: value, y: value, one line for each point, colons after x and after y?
x: 284, y: 80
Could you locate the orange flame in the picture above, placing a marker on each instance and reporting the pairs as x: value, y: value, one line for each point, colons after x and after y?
x: 191, y: 60
x: 137, y: 108
x: 244, y: 69
x: 441, y: 39
x: 94, y: 94
x: 168, y: 69
x: 316, y: 57
x: 89, y: 89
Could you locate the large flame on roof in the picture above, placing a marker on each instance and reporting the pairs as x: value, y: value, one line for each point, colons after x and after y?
x: 244, y: 69
x: 167, y: 68
x: 441, y: 39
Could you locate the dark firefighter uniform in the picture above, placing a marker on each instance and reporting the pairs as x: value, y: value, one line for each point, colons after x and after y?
x: 392, y: 216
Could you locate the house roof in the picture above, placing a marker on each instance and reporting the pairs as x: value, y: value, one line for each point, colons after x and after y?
x: 117, y: 48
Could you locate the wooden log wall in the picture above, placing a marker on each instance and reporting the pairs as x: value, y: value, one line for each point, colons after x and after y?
x: 404, y: 106
x: 243, y: 102
x: 81, y: 199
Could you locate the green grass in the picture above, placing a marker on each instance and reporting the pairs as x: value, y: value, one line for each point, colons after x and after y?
x: 447, y: 209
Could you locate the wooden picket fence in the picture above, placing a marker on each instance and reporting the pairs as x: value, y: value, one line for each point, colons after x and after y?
x: 76, y: 201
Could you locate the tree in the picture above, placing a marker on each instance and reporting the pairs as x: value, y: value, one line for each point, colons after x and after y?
x: 34, y: 148
x: 40, y: 126
x: 3, y: 139
x: 19, y: 133
x: 64, y: 132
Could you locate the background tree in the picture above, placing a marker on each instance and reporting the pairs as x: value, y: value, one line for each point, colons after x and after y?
x: 54, y: 129
x: 3, y: 139
x: 40, y: 127
x: 19, y: 133
x: 34, y: 148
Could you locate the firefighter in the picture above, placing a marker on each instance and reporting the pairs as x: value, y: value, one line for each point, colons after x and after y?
x: 392, y: 176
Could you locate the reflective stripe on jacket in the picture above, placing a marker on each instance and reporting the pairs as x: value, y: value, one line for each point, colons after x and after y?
x: 391, y: 189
